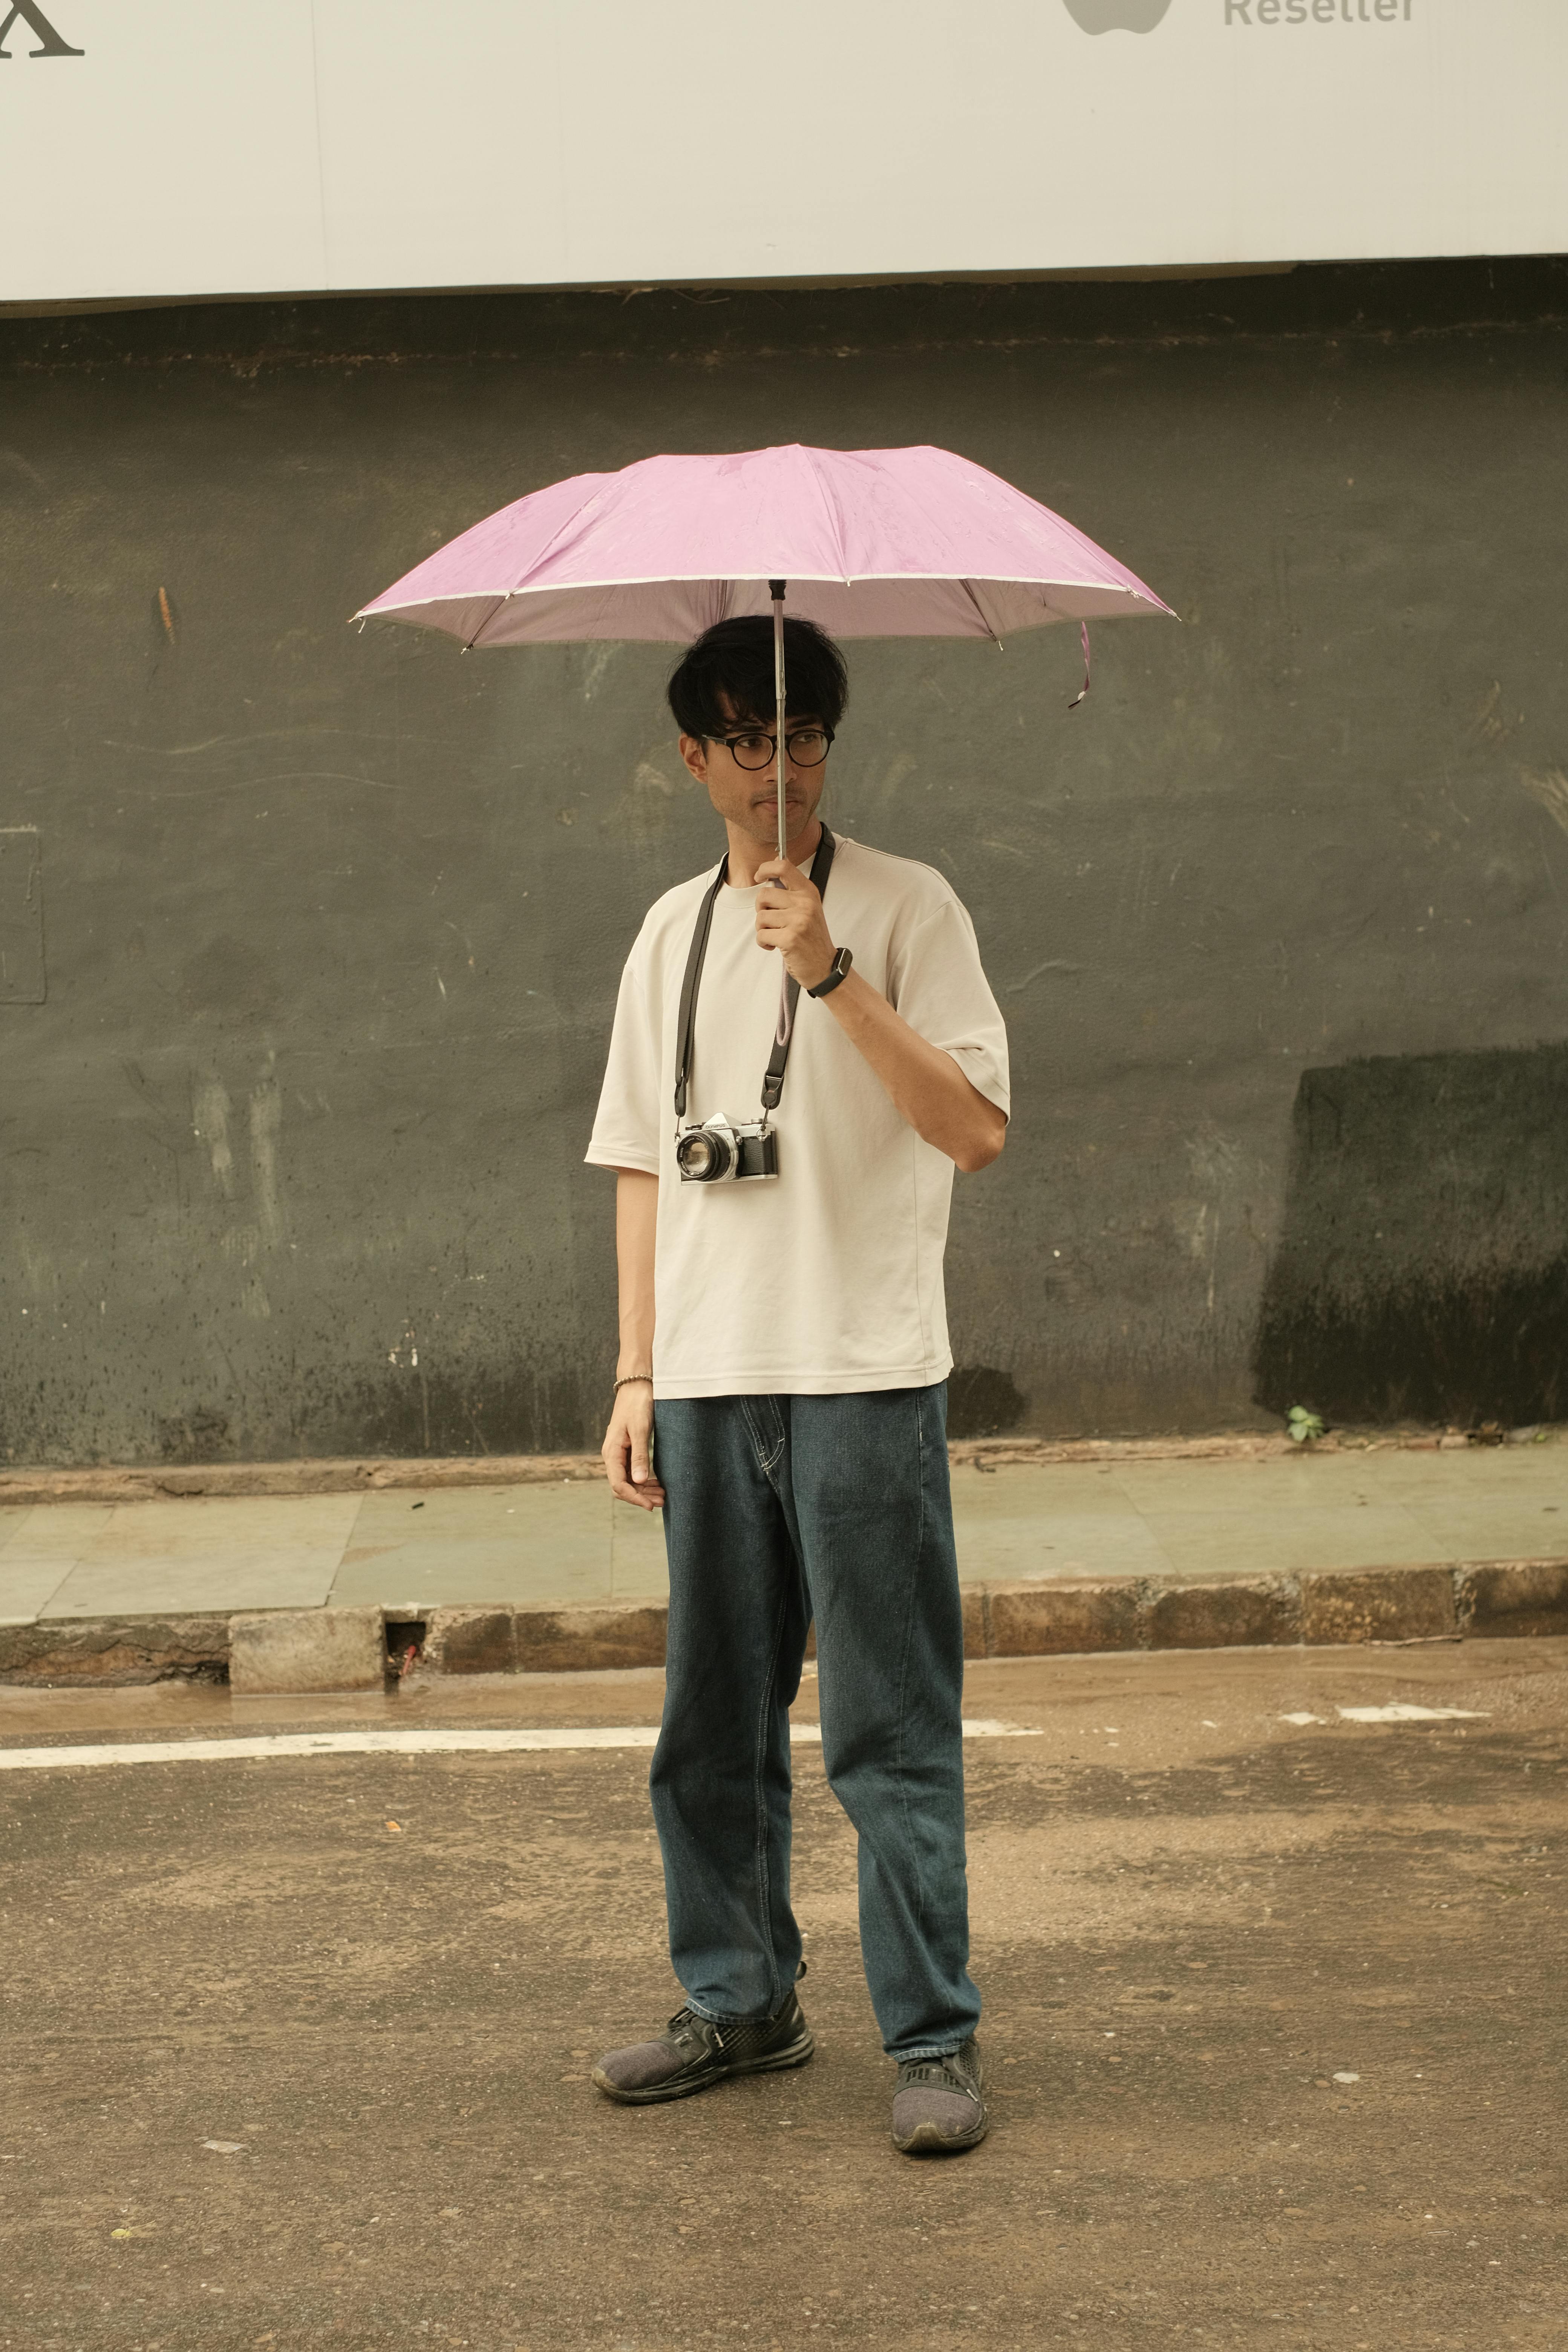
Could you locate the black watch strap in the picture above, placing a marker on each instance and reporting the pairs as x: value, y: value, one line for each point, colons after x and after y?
x: 837, y: 971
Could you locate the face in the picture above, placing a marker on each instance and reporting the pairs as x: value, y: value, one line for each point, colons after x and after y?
x: 748, y: 797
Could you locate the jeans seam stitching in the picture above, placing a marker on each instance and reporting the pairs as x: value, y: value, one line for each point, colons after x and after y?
x: 766, y: 1464
x: 759, y: 1798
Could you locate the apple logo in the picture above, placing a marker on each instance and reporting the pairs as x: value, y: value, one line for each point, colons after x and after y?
x: 1116, y: 16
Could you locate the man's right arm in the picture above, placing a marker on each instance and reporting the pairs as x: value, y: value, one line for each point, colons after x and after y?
x: 627, y: 1439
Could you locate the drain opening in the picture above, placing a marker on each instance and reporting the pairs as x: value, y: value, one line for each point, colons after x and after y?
x: 405, y: 1644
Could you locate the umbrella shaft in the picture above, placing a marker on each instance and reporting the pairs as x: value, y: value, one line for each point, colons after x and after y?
x: 777, y: 588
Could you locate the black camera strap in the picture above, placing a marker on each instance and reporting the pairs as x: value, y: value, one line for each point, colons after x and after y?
x: 774, y: 1076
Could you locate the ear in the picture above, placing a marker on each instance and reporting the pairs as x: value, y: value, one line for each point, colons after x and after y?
x: 694, y: 752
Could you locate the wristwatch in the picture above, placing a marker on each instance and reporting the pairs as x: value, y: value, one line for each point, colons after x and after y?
x: 837, y: 971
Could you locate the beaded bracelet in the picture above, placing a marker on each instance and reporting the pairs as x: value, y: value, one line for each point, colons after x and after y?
x: 627, y: 1378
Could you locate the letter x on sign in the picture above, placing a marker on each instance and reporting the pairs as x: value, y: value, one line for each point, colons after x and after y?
x: 43, y: 31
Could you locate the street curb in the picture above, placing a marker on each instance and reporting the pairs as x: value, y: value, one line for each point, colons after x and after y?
x: 162, y: 1482
x: 303, y: 1650
x: 108, y: 1652
x: 277, y: 1650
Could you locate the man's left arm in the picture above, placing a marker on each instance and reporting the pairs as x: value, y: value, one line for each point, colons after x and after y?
x: 924, y: 1084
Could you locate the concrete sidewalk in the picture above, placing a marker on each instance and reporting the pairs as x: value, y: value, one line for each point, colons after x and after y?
x: 570, y: 1545
x: 1123, y: 1551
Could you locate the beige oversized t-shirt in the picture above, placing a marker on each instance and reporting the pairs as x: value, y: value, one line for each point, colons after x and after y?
x: 827, y: 1279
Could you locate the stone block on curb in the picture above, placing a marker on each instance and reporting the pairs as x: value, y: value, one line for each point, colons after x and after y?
x: 1513, y: 1596
x: 1378, y: 1604
x: 1043, y: 1621
x: 572, y: 1640
x: 1241, y: 1611
x: 974, y: 1598
x: 307, y: 1650
x: 470, y: 1642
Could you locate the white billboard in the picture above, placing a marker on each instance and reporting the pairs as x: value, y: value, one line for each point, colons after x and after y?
x: 181, y: 147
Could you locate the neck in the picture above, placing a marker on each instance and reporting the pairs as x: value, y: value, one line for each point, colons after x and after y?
x: 747, y: 853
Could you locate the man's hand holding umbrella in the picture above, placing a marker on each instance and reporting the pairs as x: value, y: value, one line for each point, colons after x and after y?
x: 790, y: 917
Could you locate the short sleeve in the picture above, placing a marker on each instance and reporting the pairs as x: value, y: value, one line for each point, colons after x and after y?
x: 627, y: 1128
x: 936, y: 982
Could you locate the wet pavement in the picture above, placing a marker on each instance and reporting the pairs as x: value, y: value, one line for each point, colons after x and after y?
x: 297, y: 2046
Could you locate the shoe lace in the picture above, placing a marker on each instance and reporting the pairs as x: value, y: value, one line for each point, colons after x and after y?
x: 687, y: 2028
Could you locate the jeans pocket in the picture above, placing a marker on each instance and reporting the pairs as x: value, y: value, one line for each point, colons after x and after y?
x: 765, y: 1422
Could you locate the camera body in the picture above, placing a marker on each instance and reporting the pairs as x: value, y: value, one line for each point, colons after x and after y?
x: 727, y: 1151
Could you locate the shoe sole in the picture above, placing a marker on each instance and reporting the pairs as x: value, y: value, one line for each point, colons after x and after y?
x: 656, y: 2093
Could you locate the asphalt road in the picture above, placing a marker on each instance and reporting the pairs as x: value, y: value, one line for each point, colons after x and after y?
x: 1274, y: 2017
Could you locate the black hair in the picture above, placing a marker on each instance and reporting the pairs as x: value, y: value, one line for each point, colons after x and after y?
x: 735, y: 660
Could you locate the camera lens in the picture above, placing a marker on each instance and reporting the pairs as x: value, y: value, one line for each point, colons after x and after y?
x: 701, y: 1156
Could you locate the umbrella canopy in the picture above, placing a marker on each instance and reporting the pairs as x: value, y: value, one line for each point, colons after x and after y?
x: 873, y: 543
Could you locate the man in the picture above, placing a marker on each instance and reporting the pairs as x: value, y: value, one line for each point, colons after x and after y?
x: 781, y: 1390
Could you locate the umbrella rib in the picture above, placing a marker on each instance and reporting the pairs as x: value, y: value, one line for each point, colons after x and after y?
x: 484, y: 625
x: 567, y: 522
x: 835, y: 521
x: 987, y: 624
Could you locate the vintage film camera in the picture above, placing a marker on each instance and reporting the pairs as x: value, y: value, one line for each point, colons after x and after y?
x: 724, y: 1151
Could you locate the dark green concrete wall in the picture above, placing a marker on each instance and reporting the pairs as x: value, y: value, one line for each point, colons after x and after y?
x: 306, y: 979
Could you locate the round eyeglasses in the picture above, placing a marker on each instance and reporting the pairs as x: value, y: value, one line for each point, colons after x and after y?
x: 806, y: 746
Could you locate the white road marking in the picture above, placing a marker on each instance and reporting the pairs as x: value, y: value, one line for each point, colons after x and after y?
x: 395, y: 1743
x: 1400, y: 1712
x: 1403, y: 1713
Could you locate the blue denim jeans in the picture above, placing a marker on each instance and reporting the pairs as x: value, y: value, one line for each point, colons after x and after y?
x: 781, y: 1508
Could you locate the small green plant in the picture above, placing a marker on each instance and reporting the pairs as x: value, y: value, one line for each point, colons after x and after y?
x: 1303, y: 1424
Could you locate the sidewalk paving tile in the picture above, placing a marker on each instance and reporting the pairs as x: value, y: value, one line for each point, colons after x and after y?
x: 209, y: 1553
x: 43, y: 1544
x: 1021, y: 1522
x: 639, y: 1570
x: 1081, y: 1488
x: 514, y: 1544
x: 1491, y: 1527
x: 1480, y: 1470
x: 1247, y: 1541
x: 1306, y: 1481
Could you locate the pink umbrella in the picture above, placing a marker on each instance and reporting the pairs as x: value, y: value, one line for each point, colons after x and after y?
x: 872, y: 543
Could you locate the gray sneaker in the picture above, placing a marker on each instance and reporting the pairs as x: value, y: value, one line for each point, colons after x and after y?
x: 693, y: 2053
x: 937, y: 2107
